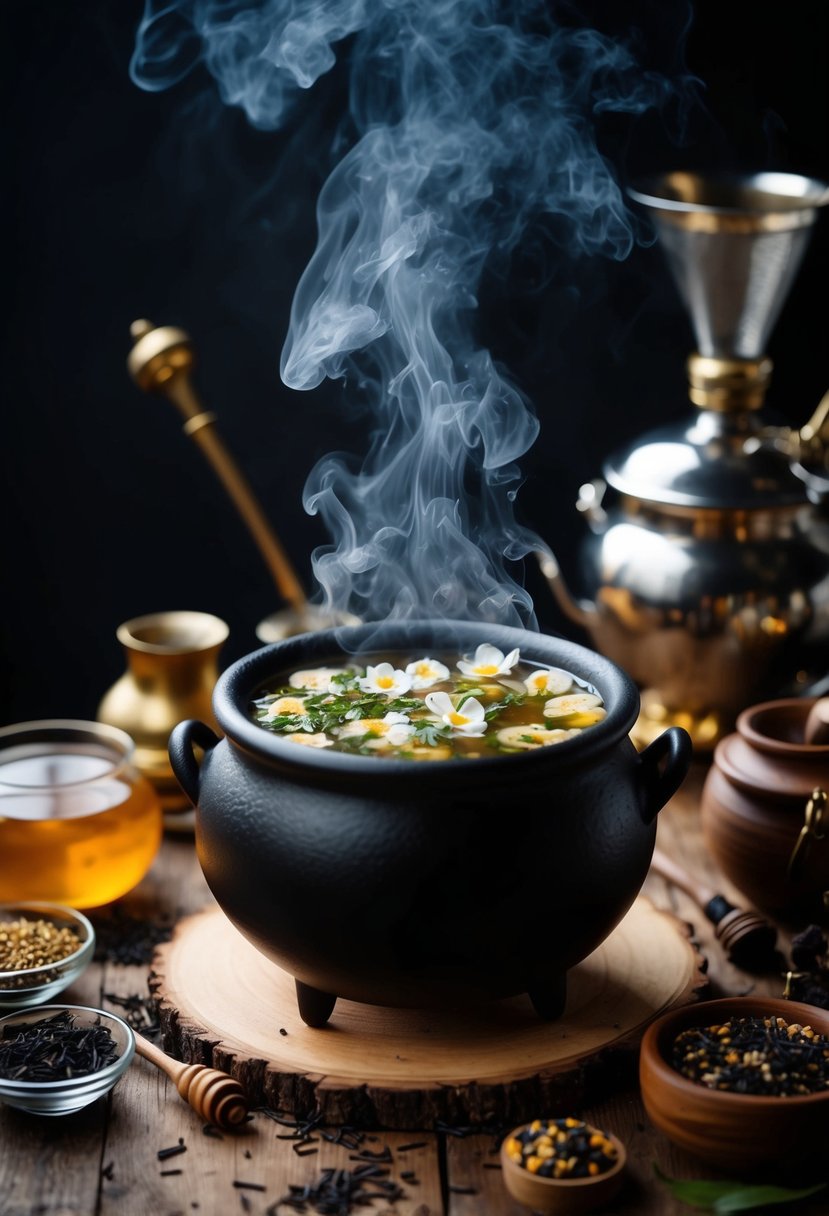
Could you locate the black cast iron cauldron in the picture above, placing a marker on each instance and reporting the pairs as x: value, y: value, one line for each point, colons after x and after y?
x: 397, y: 882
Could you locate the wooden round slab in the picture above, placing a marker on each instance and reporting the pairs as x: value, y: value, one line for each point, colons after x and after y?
x: 223, y: 1003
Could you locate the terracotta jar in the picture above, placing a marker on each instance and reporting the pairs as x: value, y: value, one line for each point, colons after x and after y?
x: 764, y: 797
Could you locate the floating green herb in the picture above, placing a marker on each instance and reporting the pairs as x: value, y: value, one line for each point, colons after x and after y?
x: 430, y: 734
x: 428, y: 709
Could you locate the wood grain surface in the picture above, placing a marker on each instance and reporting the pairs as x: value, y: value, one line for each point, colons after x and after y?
x: 224, y: 1002
x: 103, y: 1161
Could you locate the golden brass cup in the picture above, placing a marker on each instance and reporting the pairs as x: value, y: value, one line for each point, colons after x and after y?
x: 172, y: 667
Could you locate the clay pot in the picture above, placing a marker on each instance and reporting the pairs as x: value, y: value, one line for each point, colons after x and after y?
x: 754, y: 807
x: 398, y: 883
x: 735, y: 1132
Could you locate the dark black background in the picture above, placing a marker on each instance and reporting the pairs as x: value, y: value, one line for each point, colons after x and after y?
x: 122, y: 204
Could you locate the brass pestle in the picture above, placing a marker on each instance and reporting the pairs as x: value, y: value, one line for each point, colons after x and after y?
x: 215, y: 1096
x: 161, y: 360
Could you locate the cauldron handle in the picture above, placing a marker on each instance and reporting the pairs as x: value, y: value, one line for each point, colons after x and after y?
x: 183, y: 758
x: 659, y: 784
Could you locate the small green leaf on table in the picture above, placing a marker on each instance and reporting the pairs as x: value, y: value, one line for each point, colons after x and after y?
x: 725, y: 1197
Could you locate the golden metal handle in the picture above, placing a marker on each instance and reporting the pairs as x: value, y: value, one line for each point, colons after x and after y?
x: 815, y: 822
x: 813, y: 432
x: 161, y: 361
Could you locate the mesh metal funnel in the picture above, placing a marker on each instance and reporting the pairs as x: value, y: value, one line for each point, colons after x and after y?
x: 734, y: 245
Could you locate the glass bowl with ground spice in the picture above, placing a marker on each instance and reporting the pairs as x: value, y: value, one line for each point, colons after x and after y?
x: 43, y: 949
x: 742, y: 1083
x: 59, y: 1058
x: 562, y: 1165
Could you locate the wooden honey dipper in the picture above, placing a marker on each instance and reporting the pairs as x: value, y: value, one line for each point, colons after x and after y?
x: 216, y: 1096
x: 748, y: 939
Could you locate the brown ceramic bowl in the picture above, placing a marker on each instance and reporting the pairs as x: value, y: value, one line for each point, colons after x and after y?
x: 560, y: 1196
x: 733, y: 1131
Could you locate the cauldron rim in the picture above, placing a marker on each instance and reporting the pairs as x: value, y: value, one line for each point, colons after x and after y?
x: 243, y: 678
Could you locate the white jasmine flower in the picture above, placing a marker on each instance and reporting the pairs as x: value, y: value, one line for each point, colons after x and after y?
x: 426, y: 672
x: 468, y: 720
x: 393, y: 730
x: 319, y: 679
x: 386, y: 680
x: 489, y: 661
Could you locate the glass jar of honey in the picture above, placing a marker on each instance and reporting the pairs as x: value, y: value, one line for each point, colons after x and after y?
x: 79, y: 825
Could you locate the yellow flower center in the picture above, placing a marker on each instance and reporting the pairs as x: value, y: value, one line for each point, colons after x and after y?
x: 457, y: 719
x: 287, y: 705
x: 487, y: 669
x: 423, y: 669
x: 385, y: 681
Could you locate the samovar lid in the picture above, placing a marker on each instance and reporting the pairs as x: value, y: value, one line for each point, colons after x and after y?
x: 715, y: 460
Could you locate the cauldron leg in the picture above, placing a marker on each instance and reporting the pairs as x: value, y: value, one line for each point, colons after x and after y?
x: 315, y: 1007
x: 549, y: 996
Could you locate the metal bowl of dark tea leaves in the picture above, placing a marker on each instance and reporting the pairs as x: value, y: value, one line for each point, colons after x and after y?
x: 56, y: 1059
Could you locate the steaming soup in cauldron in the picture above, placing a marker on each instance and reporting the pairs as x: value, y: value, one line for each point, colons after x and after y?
x: 422, y: 708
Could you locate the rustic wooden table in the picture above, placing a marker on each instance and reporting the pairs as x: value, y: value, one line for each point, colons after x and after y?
x: 103, y: 1161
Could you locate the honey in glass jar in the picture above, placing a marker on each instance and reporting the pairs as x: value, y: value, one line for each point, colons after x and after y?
x: 79, y: 825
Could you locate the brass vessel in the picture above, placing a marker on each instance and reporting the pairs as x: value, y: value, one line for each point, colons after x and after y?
x: 707, y: 566
x: 172, y: 667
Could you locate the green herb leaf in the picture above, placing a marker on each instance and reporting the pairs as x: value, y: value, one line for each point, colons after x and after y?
x: 429, y: 733
x: 346, y: 679
x: 511, y: 698
x: 467, y: 695
x: 729, y: 1196
x: 750, y: 1197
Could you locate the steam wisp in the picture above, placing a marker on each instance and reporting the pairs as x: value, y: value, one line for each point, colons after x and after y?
x: 471, y: 121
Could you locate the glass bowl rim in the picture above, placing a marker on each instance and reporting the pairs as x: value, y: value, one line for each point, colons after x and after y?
x: 112, y: 1071
x: 46, y: 908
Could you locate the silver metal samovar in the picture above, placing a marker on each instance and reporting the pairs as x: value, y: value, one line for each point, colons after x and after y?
x: 707, y: 567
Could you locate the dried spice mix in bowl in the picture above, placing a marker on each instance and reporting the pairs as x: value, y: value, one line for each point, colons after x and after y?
x: 43, y: 949
x: 562, y: 1148
x: 754, y: 1055
x: 34, y: 943
x: 562, y: 1165
x: 741, y: 1083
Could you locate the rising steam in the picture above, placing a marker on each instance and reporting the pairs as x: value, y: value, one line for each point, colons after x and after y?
x: 473, y: 119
